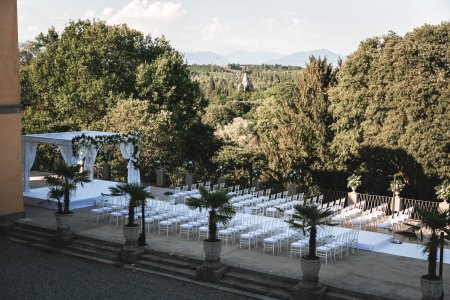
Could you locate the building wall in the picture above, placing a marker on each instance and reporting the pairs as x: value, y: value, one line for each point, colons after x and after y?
x: 11, y: 199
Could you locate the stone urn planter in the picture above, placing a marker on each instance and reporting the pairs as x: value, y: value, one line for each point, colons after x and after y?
x: 131, y: 234
x: 212, y: 250
x: 189, y: 178
x: 292, y: 190
x: 106, y: 172
x: 161, y: 179
x: 221, y: 179
x: 63, y: 235
x: 431, y: 288
x: 256, y: 184
x: 310, y: 269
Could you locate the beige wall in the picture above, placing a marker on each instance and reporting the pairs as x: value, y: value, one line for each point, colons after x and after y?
x: 11, y: 200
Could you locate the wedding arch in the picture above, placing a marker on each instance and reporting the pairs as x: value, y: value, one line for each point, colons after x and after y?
x: 82, y: 145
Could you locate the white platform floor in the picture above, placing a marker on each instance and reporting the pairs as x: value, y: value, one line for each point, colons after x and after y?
x: 82, y: 197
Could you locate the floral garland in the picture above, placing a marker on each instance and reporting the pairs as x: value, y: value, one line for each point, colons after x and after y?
x: 96, y: 142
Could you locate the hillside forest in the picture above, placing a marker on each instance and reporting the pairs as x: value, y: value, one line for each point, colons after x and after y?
x: 384, y: 111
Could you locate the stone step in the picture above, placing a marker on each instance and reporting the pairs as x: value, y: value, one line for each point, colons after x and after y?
x: 178, y: 257
x: 336, y: 293
x: 260, y: 279
x: 338, y: 296
x: 97, y: 245
x: 169, y: 261
x: 33, y: 231
x: 256, y: 288
x: 93, y: 252
x: 29, y: 236
x: 167, y: 268
x: 32, y: 227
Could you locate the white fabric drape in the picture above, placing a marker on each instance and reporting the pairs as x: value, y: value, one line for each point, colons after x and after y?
x: 89, y: 155
x: 66, y: 153
x: 134, y: 175
x: 28, y: 156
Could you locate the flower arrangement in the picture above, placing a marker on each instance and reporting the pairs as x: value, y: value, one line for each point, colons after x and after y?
x: 354, y: 181
x: 189, y: 166
x: 221, y: 169
x: 292, y: 176
x: 256, y: 172
x: 96, y: 142
x: 396, y: 186
x: 160, y: 162
x: 443, y: 191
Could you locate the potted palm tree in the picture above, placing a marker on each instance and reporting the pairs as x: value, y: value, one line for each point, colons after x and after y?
x: 308, y: 218
x: 137, y: 196
x: 65, y: 180
x: 220, y: 210
x: 432, y: 223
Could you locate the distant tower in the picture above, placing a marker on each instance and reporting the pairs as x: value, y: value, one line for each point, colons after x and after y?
x: 246, y: 84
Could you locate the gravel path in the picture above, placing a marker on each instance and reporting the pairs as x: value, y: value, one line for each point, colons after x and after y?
x: 27, y: 273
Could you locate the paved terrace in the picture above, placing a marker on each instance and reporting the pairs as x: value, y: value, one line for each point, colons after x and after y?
x: 390, y: 276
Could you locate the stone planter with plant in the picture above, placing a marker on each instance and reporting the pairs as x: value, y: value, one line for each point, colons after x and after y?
x: 137, y: 197
x: 62, y: 183
x: 432, y: 223
x: 308, y: 218
x: 220, y: 211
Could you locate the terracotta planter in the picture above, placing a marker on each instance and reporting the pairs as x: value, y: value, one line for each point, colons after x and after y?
x: 431, y: 289
x: 212, y: 250
x: 131, y: 235
x: 310, y: 269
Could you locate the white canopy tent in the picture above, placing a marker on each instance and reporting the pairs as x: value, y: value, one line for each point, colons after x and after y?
x: 64, y: 142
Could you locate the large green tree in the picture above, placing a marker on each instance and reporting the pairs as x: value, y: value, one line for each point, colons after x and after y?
x: 393, y: 93
x: 293, y: 126
x: 76, y: 76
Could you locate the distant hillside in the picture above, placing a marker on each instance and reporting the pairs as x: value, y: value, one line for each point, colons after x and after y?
x: 252, y: 58
x: 259, y: 58
x: 205, y: 58
x: 300, y: 58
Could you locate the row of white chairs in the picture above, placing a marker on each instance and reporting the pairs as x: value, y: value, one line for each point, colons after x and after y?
x: 370, y: 216
x: 395, y: 221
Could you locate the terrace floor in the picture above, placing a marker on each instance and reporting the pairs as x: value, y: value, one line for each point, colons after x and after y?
x: 391, y: 276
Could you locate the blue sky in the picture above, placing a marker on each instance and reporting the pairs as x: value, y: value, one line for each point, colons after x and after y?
x: 282, y: 26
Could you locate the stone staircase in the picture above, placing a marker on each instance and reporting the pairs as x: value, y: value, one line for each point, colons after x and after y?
x: 268, y: 286
x: 31, y: 234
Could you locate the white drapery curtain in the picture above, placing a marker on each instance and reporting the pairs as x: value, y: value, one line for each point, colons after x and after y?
x: 28, y: 156
x: 66, y: 152
x: 134, y: 175
x: 89, y: 155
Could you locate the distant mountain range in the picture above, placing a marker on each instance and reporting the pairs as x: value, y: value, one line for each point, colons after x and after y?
x: 258, y: 58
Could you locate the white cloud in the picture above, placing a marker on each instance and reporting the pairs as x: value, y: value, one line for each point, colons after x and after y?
x: 107, y: 12
x: 32, y: 28
x: 142, y: 15
x: 90, y: 14
x: 217, y: 27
